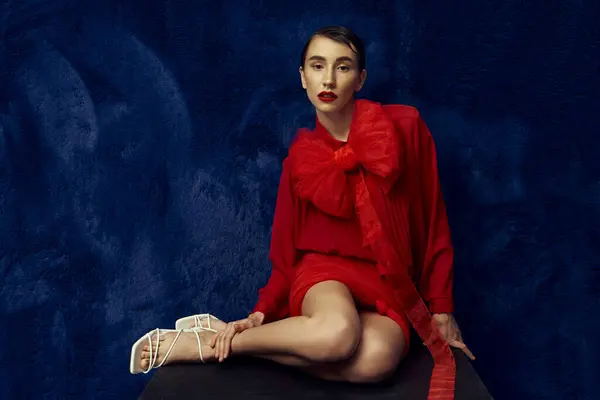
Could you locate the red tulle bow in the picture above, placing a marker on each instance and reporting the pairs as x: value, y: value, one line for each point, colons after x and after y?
x: 321, y: 174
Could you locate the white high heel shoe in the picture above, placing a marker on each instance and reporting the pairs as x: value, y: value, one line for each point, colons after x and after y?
x: 135, y: 363
x: 196, y: 321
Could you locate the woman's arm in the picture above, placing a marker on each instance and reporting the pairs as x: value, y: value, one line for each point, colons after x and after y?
x: 273, y: 298
x: 436, y: 277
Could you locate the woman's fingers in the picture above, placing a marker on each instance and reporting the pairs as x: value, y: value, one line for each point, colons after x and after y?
x: 236, y: 328
x: 220, y: 345
x: 222, y: 340
x: 219, y: 337
x: 228, y: 337
x: 227, y: 342
x: 460, y: 345
x: 468, y: 353
x: 253, y: 320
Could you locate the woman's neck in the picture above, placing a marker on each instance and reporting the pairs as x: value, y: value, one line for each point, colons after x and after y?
x: 338, y: 124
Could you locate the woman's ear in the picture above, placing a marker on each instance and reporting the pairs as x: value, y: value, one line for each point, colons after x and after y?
x: 302, y: 77
x: 362, y: 79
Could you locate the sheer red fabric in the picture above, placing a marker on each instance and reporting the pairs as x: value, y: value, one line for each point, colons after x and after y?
x: 386, y: 175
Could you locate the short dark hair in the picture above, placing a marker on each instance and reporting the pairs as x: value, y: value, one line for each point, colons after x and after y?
x: 339, y: 34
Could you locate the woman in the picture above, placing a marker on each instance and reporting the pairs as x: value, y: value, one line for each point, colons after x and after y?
x: 360, y: 243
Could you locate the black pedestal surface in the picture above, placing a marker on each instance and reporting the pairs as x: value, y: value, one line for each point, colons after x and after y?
x: 250, y: 378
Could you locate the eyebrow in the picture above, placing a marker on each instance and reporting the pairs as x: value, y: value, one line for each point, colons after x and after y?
x: 321, y: 58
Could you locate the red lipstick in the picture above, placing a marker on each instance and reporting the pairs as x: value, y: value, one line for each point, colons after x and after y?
x: 327, y: 97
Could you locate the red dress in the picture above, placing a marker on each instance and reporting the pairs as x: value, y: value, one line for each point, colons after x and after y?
x: 370, y: 214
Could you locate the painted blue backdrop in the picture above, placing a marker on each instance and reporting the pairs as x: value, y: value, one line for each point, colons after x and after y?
x: 140, y: 151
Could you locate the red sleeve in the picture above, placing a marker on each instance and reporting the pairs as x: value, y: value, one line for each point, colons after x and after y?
x: 273, y: 298
x: 436, y: 278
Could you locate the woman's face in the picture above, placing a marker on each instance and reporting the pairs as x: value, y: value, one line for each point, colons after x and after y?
x: 331, y: 74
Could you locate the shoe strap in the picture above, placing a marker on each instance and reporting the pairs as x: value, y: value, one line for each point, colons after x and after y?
x: 199, y: 344
x: 154, y: 356
x: 199, y: 317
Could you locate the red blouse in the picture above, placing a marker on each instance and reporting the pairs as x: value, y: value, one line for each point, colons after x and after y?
x: 300, y: 227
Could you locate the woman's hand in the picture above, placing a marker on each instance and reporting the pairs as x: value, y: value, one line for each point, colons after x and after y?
x: 221, y: 342
x: 450, y: 331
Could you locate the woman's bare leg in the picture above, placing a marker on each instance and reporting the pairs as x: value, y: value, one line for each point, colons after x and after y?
x: 369, y: 357
x: 329, y: 330
x: 378, y: 355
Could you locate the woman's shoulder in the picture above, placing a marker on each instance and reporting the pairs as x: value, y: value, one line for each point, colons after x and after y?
x: 404, y: 116
x: 395, y: 110
x: 408, y: 122
x: 399, y: 111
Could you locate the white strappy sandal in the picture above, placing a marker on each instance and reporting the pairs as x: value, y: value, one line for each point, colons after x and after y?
x: 135, y: 364
x: 196, y: 321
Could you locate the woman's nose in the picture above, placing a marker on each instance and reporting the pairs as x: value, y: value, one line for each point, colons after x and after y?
x: 329, y: 79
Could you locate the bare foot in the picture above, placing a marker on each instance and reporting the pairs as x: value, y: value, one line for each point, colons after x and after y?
x: 185, y: 350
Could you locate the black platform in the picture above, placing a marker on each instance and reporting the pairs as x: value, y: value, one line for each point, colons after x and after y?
x: 250, y: 378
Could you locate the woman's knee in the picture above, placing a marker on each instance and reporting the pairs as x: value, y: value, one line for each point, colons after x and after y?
x: 335, y: 321
x: 379, y: 355
x: 338, y: 336
x: 376, y: 365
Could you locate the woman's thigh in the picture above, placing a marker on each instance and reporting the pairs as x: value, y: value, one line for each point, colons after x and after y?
x: 329, y: 297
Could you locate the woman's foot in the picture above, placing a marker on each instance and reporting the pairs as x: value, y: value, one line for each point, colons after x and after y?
x: 184, y: 350
x: 201, y: 320
x: 215, y: 324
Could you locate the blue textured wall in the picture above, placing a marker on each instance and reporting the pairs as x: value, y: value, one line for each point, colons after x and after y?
x: 140, y: 150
